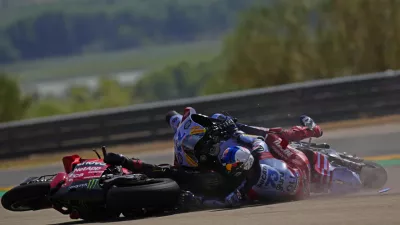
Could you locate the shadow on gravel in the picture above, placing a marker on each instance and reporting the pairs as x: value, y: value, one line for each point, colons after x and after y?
x: 256, y: 204
x: 120, y: 219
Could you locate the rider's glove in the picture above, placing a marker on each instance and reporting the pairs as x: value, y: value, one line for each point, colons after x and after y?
x: 229, y: 126
x: 234, y: 199
x: 115, y: 159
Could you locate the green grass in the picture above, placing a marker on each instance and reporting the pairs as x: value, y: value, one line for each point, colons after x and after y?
x: 146, y: 58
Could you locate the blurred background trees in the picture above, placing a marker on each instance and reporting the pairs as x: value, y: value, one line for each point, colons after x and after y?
x: 13, y: 105
x: 68, y: 27
x: 264, y: 43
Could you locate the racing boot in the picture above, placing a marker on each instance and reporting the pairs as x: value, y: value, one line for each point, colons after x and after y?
x: 134, y: 165
x: 189, y: 202
x: 306, y: 121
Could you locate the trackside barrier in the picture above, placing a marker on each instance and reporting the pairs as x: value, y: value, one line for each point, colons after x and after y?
x: 325, y: 100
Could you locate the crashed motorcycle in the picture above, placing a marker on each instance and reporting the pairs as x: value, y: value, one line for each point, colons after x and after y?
x: 371, y: 174
x: 94, y: 190
x: 346, y: 169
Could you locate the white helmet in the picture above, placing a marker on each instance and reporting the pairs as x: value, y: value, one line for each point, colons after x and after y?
x: 237, y: 160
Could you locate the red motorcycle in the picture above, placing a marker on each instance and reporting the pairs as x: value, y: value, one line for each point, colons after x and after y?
x: 91, y: 189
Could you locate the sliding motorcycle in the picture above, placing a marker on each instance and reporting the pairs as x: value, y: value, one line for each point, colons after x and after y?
x: 94, y: 190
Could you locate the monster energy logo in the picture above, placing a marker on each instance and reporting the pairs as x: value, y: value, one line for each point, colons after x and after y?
x: 93, y: 183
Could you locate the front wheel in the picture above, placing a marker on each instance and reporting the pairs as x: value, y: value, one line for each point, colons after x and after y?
x: 27, y: 197
x: 373, y: 175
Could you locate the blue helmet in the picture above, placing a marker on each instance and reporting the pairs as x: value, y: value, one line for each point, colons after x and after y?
x: 237, y: 160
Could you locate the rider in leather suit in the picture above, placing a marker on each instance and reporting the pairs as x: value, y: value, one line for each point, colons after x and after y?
x: 280, y: 155
x: 271, y: 135
x: 280, y: 171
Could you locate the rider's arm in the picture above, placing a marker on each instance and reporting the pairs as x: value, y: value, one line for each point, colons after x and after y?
x: 173, y: 119
x: 298, y: 133
x: 234, y: 199
x: 255, y: 143
x: 137, y: 165
x: 179, y: 174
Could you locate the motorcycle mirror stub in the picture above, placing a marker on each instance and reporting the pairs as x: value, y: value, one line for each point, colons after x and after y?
x: 103, y: 149
x: 95, y: 151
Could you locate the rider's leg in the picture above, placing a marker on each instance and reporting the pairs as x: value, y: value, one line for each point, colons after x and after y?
x: 321, y: 173
x: 297, y: 133
x: 296, y: 159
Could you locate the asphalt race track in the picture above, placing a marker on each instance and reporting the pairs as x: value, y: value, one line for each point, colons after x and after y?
x: 362, y: 208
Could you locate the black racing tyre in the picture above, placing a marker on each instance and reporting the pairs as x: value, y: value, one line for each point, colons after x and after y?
x: 373, y: 175
x: 27, y: 197
x: 162, y: 193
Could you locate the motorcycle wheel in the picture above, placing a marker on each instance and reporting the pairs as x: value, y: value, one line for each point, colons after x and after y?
x: 27, y: 197
x: 160, y: 193
x: 373, y: 175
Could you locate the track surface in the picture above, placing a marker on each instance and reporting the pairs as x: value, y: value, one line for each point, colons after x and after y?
x: 365, y: 141
x: 363, y: 208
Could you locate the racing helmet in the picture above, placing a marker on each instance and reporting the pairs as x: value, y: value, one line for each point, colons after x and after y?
x: 237, y: 160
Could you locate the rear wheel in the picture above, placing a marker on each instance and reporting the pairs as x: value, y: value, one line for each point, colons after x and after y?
x: 159, y: 194
x: 373, y: 175
x: 27, y: 197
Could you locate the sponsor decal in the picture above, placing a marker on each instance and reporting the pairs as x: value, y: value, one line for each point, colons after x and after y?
x: 279, y: 185
x: 227, y: 156
x: 75, y: 175
x: 187, y: 124
x: 263, y: 178
x: 282, y: 152
x: 197, y: 130
x: 93, y: 183
x: 88, y: 168
x: 190, y: 161
x: 271, y: 178
x: 91, y: 164
x: 293, y: 184
x: 78, y: 186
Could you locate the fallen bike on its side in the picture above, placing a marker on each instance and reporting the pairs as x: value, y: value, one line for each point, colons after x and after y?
x: 94, y: 190
x: 371, y: 174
